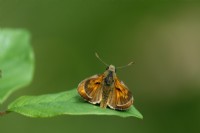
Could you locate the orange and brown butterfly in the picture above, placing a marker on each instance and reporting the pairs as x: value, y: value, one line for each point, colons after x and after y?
x: 106, y: 89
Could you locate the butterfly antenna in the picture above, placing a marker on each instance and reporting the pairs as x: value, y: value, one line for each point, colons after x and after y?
x: 129, y: 64
x: 100, y: 59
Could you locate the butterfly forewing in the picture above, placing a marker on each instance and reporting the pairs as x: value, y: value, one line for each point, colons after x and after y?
x: 120, y: 98
x: 91, y: 89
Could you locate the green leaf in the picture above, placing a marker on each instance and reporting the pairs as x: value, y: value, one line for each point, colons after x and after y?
x: 16, y: 61
x: 63, y: 103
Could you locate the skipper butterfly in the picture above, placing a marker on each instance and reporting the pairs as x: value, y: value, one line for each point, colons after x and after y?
x: 106, y: 89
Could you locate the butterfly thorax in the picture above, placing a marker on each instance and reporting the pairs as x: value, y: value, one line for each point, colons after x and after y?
x: 109, y: 79
x: 109, y: 75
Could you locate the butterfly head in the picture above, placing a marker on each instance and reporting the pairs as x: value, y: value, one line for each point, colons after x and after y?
x: 111, y: 68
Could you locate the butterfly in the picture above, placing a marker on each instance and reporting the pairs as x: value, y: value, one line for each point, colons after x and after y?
x: 106, y: 89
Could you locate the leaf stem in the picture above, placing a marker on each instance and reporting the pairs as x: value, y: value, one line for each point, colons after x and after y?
x: 3, y: 113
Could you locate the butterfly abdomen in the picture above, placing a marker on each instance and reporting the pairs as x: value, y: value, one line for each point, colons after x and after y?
x: 105, y: 96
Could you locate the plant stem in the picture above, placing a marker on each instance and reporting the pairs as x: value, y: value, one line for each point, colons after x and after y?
x: 3, y: 113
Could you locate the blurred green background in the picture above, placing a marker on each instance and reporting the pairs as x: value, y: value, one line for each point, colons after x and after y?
x: 163, y: 38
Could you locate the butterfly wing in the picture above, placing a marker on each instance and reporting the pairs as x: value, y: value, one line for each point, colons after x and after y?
x: 91, y: 89
x: 120, y: 97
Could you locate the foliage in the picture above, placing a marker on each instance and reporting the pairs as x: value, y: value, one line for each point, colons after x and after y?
x: 63, y: 103
x: 16, y: 61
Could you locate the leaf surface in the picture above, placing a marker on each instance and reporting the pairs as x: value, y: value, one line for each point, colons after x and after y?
x: 68, y: 102
x: 16, y: 61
